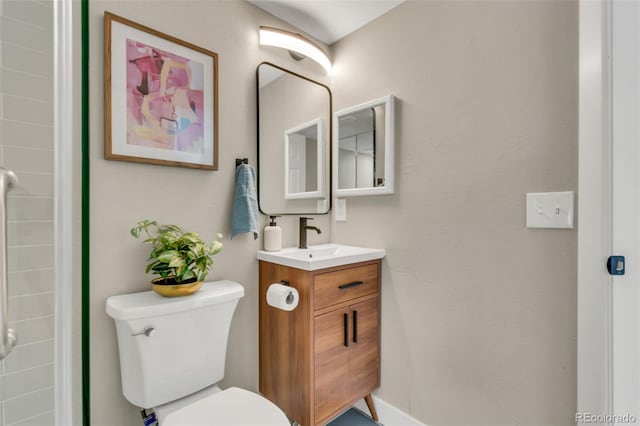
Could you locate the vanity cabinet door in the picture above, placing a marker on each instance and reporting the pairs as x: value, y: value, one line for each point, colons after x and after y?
x: 347, y: 356
x: 332, y: 384
x: 364, y: 354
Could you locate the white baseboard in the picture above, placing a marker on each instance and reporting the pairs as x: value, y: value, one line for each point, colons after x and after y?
x: 388, y: 414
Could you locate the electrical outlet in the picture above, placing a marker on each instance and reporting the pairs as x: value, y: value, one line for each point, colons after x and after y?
x: 340, y: 211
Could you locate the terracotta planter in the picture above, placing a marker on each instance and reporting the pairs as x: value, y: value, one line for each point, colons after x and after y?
x: 174, y: 290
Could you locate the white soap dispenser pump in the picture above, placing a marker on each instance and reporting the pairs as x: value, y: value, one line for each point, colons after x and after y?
x: 272, y: 235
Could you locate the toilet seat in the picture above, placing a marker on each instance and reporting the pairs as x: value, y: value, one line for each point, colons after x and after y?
x: 231, y: 407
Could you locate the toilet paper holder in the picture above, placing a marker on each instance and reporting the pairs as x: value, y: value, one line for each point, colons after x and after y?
x: 288, y: 284
x: 281, y: 295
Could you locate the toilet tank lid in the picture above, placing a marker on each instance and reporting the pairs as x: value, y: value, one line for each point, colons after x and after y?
x: 149, y: 304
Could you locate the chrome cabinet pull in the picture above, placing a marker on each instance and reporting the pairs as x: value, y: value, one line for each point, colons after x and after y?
x: 8, y: 338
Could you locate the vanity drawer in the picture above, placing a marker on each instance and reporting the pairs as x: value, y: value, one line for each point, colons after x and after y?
x: 339, y: 286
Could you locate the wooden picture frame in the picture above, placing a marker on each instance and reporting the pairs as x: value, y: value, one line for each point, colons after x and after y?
x: 161, y: 97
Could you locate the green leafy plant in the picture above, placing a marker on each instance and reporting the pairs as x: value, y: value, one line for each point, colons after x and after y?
x: 177, y: 256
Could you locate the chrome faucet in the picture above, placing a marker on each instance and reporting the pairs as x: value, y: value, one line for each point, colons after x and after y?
x: 303, y: 231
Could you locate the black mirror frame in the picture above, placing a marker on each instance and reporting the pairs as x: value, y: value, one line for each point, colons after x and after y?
x: 330, y: 138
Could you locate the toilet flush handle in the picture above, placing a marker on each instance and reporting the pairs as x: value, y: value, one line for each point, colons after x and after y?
x: 148, y: 331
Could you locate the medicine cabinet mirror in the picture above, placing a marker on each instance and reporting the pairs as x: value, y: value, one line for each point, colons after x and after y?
x: 364, y: 148
x: 294, y: 147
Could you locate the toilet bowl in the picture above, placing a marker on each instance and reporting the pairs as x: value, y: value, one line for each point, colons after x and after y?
x: 172, y: 354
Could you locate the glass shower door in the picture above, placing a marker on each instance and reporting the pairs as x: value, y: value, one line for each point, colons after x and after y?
x: 27, y: 148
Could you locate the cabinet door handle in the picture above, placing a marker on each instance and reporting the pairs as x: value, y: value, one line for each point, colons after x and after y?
x: 355, y: 326
x: 346, y: 329
x: 353, y: 284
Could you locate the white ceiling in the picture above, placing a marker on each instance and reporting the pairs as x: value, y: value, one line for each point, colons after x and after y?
x: 327, y: 20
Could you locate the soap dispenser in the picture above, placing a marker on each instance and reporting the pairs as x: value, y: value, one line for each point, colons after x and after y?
x: 272, y: 235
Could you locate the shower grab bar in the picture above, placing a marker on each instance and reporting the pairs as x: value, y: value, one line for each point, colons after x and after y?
x: 8, y: 179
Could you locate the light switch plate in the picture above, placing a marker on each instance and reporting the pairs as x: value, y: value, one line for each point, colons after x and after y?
x: 550, y: 210
x: 341, y: 210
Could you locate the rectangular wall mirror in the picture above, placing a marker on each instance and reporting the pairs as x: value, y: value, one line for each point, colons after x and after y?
x: 363, y: 149
x: 294, y: 147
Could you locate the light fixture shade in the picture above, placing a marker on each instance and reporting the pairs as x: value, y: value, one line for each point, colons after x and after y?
x: 294, y: 42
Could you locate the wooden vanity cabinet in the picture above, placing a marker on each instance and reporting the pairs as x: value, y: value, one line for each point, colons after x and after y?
x: 322, y: 357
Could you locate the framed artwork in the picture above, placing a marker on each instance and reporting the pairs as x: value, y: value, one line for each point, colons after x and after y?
x: 161, y: 97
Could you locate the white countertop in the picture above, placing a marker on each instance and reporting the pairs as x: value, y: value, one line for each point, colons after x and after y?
x: 320, y: 256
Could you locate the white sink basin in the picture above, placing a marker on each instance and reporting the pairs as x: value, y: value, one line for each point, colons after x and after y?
x: 320, y: 256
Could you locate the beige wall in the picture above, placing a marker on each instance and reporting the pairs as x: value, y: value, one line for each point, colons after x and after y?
x: 123, y: 193
x: 478, y: 312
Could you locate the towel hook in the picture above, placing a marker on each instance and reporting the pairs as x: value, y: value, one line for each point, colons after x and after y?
x: 241, y: 161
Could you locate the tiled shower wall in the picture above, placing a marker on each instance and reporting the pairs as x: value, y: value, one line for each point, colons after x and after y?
x: 26, y: 147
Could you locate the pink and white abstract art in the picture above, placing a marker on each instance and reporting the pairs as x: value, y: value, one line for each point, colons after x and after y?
x: 164, y: 103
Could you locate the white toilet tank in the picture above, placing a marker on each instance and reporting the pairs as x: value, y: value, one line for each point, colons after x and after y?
x: 185, y: 345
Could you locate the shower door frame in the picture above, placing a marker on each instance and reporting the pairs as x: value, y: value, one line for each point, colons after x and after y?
x: 65, y: 170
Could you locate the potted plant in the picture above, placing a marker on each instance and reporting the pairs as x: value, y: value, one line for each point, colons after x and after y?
x: 181, y: 260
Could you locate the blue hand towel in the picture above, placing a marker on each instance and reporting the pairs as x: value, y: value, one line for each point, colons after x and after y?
x: 245, y: 202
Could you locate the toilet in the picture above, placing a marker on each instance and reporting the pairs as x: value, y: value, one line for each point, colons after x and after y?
x: 172, y: 355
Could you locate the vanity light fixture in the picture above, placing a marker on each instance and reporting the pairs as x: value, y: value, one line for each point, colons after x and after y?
x: 298, y: 46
